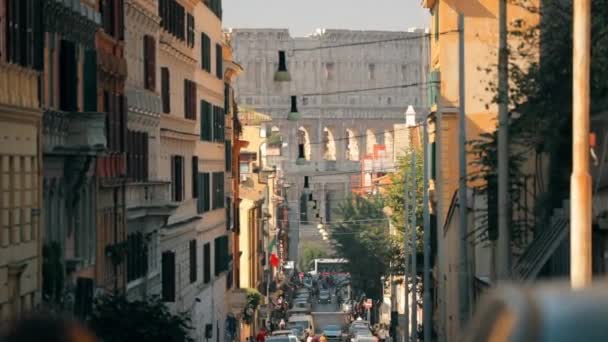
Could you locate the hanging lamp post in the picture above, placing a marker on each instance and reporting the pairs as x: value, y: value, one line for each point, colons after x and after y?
x: 282, y: 75
x: 294, y: 115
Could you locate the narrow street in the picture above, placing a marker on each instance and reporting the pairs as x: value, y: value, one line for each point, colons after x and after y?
x: 327, y: 314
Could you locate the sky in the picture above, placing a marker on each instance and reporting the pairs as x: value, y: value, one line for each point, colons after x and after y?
x: 302, y: 17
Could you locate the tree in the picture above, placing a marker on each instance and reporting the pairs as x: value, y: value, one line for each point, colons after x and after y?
x: 363, y: 238
x: 117, y: 319
x: 309, y: 254
x: 394, y: 198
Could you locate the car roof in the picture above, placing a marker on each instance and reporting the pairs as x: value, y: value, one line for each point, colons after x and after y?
x: 332, y: 326
x: 300, y: 317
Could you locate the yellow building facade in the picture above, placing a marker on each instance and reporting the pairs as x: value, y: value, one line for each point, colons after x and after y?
x: 481, y: 43
x: 20, y: 170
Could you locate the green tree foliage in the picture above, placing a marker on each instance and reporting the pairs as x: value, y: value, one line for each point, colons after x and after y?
x: 394, y: 196
x: 363, y: 238
x: 309, y: 254
x: 117, y: 319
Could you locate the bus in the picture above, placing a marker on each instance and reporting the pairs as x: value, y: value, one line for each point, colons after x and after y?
x: 330, y: 266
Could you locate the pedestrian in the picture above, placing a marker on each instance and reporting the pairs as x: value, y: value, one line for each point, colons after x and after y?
x: 310, y: 337
x: 323, y: 338
x: 282, y: 324
x: 261, y: 337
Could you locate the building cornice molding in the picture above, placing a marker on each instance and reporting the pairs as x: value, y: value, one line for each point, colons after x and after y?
x: 142, y: 15
x: 176, y: 48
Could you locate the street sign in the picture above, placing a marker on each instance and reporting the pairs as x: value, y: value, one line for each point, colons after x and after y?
x: 368, y: 304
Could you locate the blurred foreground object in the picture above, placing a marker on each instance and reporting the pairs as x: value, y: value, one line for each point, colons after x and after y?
x: 46, y: 327
x: 551, y: 312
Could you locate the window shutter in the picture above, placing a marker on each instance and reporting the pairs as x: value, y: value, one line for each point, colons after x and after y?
x: 206, y: 121
x: 206, y: 52
x: 201, y: 193
x: 206, y: 195
x: 165, y: 82
x: 207, y: 263
x: 168, y: 276
x: 149, y: 63
x: 90, y: 81
x: 192, y: 261
x: 226, y: 98
x: 173, y: 182
x: 186, y: 99
x: 38, y: 35
x: 122, y: 112
x: 195, y: 177
x: 219, y: 61
x: 228, y: 155
x: 217, y: 251
x: 120, y: 19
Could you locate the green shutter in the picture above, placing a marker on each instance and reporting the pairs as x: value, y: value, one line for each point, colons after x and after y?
x: 206, y: 121
x: 228, y: 155
x: 433, y: 161
x: 206, y: 195
x: 219, y: 61
x: 168, y: 276
x: 193, y: 265
x: 90, y: 81
x: 206, y: 263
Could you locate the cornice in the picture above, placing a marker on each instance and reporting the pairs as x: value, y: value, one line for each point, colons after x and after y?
x: 176, y: 48
x: 142, y: 15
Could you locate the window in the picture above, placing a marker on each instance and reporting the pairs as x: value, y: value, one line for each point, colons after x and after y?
x: 24, y: 33
x: 228, y: 213
x: 219, y: 61
x: 221, y: 254
x: 204, y: 195
x: 195, y: 183
x: 190, y: 23
x: 137, y: 156
x: 205, y: 52
x: 165, y: 93
x: 68, y: 76
x: 219, y: 124
x: 329, y: 71
x: 436, y: 17
x: 149, y: 63
x: 306, y: 182
x: 137, y: 257
x: 207, y: 263
x: 177, y: 178
x: 206, y: 121
x: 172, y: 16
x: 192, y: 247
x: 189, y: 100
x: 404, y: 72
x: 215, y: 6
x: 112, y: 17
x: 89, y: 73
x: 228, y: 155
x: 153, y: 253
x: 244, y: 168
x: 371, y: 71
x: 218, y: 190
x: 116, y: 121
x: 168, y: 276
x: 226, y: 98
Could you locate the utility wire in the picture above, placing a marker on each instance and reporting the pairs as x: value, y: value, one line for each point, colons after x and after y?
x: 424, y: 35
x: 349, y: 91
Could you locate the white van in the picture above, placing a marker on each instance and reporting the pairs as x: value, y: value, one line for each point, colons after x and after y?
x: 301, y: 323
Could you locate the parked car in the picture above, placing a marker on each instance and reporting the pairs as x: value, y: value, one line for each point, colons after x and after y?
x: 284, y: 333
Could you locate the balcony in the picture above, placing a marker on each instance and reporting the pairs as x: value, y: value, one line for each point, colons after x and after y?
x: 149, y: 199
x: 74, y: 132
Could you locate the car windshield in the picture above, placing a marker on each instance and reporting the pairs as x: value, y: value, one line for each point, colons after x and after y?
x: 332, y: 328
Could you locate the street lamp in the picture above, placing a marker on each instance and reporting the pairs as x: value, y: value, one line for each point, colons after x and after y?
x: 294, y: 115
x: 282, y: 75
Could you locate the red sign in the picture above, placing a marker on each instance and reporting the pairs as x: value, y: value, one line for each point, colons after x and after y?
x: 368, y: 304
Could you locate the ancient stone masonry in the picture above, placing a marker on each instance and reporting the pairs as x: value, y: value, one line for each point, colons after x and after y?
x: 350, y: 93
